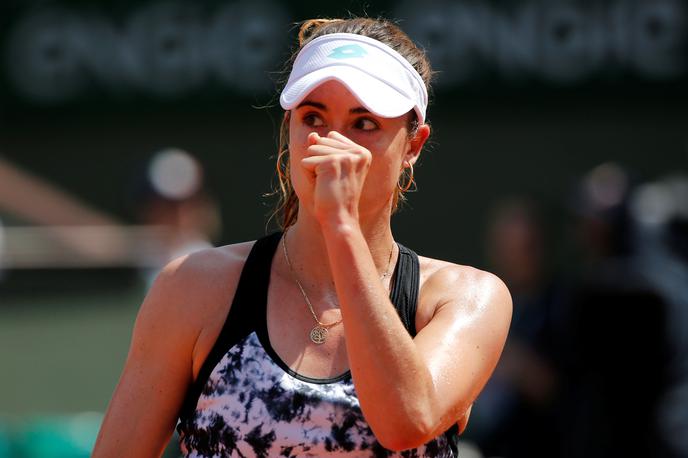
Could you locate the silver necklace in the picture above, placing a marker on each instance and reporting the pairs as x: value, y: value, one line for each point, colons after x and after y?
x: 318, y: 334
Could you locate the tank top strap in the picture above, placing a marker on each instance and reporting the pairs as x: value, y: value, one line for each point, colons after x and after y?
x: 405, y: 298
x: 243, y: 317
x: 255, y: 276
x: 404, y: 293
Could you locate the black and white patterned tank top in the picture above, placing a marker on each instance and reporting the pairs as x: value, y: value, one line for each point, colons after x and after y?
x: 246, y: 402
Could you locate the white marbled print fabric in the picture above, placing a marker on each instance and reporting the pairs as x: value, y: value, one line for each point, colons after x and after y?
x: 250, y: 407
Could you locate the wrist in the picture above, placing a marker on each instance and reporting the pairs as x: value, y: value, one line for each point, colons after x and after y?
x: 340, y: 224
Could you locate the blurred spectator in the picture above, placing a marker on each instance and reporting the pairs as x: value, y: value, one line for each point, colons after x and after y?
x: 171, y: 195
x: 660, y: 215
x: 617, y: 363
x: 175, y: 214
x: 515, y: 414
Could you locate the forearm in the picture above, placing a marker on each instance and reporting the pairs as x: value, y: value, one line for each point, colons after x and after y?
x: 393, y: 383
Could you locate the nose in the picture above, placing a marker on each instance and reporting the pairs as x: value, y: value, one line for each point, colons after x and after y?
x: 341, y: 127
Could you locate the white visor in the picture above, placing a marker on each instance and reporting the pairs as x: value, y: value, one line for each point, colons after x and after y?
x: 380, y: 78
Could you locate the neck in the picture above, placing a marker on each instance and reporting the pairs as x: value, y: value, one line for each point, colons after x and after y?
x: 308, y: 252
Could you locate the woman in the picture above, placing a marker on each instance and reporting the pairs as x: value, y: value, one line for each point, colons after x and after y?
x: 329, y: 339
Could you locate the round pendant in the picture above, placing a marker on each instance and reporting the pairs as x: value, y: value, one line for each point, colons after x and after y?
x: 318, y: 335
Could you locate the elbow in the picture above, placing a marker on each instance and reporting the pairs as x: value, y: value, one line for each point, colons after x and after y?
x: 411, y: 433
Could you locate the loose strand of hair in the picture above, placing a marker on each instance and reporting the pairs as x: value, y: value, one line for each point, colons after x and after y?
x: 309, y: 26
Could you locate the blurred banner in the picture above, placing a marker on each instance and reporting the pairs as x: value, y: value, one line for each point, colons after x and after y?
x: 66, y: 52
x: 553, y: 41
x: 60, y: 52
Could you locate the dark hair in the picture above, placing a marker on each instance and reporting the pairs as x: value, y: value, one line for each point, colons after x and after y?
x: 379, y: 29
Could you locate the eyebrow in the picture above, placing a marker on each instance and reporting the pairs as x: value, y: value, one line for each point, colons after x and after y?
x: 321, y: 106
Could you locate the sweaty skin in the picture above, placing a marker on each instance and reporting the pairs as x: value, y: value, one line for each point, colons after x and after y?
x: 410, y: 389
x: 345, y: 163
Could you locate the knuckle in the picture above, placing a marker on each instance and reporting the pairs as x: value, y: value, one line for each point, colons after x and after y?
x: 365, y: 155
x: 331, y: 165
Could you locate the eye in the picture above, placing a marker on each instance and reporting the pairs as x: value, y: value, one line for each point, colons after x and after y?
x: 313, y: 120
x: 366, y: 124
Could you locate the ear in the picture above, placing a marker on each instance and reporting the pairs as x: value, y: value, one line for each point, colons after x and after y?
x: 416, y: 143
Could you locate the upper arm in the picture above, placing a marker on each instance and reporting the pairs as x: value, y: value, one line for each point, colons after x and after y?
x: 463, y: 340
x: 159, y: 368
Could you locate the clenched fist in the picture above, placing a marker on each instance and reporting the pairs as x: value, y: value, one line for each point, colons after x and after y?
x: 336, y: 168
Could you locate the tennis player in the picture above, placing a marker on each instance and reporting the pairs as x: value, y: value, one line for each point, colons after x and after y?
x: 328, y: 338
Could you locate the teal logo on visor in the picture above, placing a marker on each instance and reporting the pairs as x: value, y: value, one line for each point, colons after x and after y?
x: 347, y: 52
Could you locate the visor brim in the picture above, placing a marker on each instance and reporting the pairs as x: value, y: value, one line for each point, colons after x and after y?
x: 375, y: 95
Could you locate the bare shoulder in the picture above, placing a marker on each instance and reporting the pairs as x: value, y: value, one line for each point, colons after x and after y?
x: 469, y: 291
x: 162, y: 361
x: 193, y: 289
x: 192, y: 281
